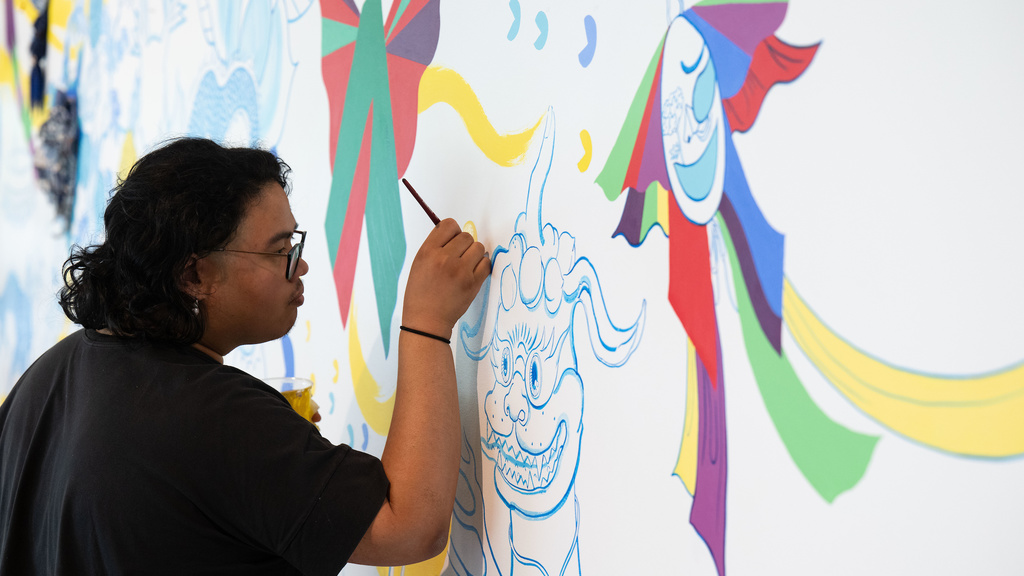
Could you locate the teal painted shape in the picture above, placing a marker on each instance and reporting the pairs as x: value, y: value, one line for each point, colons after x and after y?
x: 368, y: 85
x: 335, y: 35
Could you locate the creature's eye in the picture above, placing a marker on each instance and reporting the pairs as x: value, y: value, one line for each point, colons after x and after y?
x: 533, y: 375
x: 506, y: 364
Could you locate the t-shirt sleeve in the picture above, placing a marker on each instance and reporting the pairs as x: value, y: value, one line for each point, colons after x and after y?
x: 338, y: 521
x: 268, y: 477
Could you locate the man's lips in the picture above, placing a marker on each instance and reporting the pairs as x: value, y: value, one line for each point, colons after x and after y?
x: 298, y: 299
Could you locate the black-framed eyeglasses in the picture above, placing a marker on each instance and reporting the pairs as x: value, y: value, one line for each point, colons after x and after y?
x: 293, y: 255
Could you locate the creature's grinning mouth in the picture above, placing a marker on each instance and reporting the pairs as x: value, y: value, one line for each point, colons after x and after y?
x: 522, y: 470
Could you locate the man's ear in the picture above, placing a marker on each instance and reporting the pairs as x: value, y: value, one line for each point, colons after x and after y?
x: 191, y: 281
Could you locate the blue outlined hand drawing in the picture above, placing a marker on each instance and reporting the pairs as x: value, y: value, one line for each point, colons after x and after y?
x: 540, y: 298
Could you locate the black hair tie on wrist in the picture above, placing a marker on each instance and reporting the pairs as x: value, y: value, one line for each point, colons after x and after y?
x: 427, y: 334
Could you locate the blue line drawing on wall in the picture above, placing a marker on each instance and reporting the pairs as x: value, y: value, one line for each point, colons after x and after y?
x: 248, y: 90
x: 532, y: 396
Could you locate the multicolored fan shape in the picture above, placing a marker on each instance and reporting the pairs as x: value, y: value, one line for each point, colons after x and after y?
x: 372, y: 71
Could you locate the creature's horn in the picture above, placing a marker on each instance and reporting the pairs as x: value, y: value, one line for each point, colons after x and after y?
x: 612, y: 345
x: 533, y: 226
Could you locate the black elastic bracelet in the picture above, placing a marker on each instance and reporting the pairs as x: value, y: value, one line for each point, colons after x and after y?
x: 427, y: 334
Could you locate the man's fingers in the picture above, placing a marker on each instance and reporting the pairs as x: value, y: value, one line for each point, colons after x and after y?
x: 474, y: 252
x: 482, y: 268
x: 443, y: 233
x: 460, y: 243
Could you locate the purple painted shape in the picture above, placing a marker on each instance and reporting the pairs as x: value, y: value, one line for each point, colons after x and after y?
x: 771, y: 323
x: 632, y: 217
x: 731, y: 62
x: 351, y: 5
x: 652, y: 163
x: 708, y: 512
x: 766, y: 244
x: 745, y: 24
x: 9, y: 19
x: 418, y: 40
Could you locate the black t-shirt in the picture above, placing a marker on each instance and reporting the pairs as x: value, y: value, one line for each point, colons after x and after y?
x: 121, y: 457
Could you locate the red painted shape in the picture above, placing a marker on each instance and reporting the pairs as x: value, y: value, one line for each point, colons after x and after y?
x: 774, y: 62
x: 633, y: 172
x: 340, y: 12
x: 404, y: 78
x: 689, y: 287
x: 410, y: 12
x: 348, y: 245
x: 336, y: 67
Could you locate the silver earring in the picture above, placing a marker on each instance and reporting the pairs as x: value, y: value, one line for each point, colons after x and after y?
x: 195, y: 307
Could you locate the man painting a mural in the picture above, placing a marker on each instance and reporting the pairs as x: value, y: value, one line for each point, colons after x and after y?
x: 130, y: 447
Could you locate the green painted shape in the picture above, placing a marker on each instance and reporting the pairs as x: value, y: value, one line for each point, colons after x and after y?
x: 832, y: 457
x: 335, y: 35
x: 650, y: 215
x: 384, y: 216
x: 368, y: 84
x: 614, y: 171
x: 398, y: 16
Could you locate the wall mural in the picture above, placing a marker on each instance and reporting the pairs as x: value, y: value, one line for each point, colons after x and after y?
x: 656, y: 107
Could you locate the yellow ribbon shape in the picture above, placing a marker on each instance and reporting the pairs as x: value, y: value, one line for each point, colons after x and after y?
x: 442, y: 85
x: 979, y: 415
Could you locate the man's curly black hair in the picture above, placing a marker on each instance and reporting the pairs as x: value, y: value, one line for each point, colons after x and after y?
x: 179, y: 202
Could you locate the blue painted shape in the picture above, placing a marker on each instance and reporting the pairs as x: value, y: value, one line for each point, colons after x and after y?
x: 587, y: 54
x: 330, y: 396
x: 216, y: 105
x: 542, y: 25
x: 731, y: 62
x: 366, y: 436
x: 698, y: 178
x: 15, y: 308
x: 513, y: 30
x: 289, y: 356
x: 766, y: 243
x: 704, y: 92
x: 95, y: 21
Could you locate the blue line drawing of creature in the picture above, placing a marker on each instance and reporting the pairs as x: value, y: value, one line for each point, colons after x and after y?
x: 532, y: 420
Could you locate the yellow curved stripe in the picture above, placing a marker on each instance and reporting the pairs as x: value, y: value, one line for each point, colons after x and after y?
x: 588, y: 151
x: 128, y: 155
x: 442, y: 85
x: 686, y: 465
x: 376, y: 413
x: 58, y: 16
x: 980, y: 415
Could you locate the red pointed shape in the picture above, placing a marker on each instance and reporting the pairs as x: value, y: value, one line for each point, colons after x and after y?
x: 774, y: 62
x: 404, y: 77
x: 348, y: 245
x: 689, y: 286
x: 336, y: 67
x: 411, y: 11
x: 343, y: 11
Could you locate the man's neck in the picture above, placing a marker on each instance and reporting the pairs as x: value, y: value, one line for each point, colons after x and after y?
x: 199, y: 346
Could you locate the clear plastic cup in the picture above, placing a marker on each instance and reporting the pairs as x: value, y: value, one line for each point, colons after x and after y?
x: 298, y: 392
